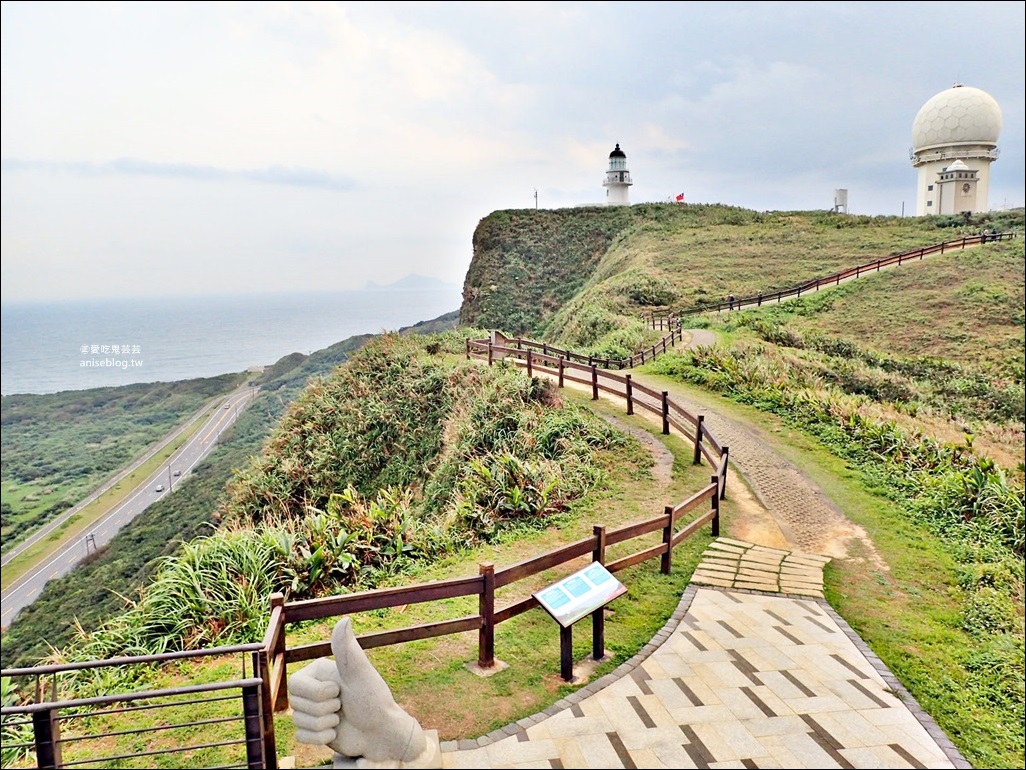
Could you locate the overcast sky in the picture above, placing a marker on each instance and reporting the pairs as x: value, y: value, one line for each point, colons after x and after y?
x: 191, y: 148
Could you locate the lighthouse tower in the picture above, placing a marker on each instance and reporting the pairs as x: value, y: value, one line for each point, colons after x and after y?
x: 618, y: 179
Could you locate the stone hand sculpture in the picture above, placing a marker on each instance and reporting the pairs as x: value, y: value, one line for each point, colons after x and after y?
x: 345, y: 704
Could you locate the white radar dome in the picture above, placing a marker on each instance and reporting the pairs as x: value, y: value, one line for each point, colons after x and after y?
x: 959, y: 115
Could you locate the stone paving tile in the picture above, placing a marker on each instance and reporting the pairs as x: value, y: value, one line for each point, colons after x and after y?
x: 715, y: 566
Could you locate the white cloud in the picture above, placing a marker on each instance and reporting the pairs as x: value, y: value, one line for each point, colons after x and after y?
x: 274, y: 146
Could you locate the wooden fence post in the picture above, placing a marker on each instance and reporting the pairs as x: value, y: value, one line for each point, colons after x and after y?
x: 697, y: 460
x: 561, y: 360
x: 664, y: 563
x: 529, y: 369
x: 666, y: 413
x: 630, y: 394
x: 490, y: 355
x: 486, y: 609
x: 715, y: 500
x: 281, y: 702
x: 726, y: 464
x: 598, y: 617
x: 467, y: 341
x: 594, y: 383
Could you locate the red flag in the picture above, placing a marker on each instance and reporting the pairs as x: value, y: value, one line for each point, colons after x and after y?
x: 680, y: 198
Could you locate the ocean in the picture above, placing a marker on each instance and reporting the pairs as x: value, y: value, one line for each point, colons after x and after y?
x: 76, y: 345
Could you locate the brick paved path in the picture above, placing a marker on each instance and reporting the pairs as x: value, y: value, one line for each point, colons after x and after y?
x: 754, y: 669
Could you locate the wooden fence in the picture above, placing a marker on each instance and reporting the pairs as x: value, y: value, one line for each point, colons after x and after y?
x: 668, y: 318
x: 563, y: 366
x: 265, y: 691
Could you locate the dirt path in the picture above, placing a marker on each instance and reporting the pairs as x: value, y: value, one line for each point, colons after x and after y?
x: 785, y: 509
x: 780, y: 506
x: 662, y: 467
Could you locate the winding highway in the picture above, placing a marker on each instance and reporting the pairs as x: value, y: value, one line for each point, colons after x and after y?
x: 23, y: 591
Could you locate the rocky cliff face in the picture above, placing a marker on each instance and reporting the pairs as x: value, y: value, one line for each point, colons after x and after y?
x: 528, y: 263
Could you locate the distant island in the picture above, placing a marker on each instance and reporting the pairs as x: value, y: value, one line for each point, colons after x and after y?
x: 411, y: 281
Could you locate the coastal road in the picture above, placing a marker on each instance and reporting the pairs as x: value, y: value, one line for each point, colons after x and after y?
x: 155, y: 486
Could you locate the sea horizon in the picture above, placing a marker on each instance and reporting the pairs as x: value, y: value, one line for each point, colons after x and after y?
x: 80, y: 344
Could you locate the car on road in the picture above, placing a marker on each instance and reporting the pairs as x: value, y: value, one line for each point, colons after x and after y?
x: 228, y: 406
x: 178, y: 473
x: 160, y: 488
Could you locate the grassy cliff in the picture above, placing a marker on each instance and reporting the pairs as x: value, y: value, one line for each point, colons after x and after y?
x: 407, y: 455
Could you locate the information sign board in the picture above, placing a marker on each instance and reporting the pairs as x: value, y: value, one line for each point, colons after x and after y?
x: 580, y: 594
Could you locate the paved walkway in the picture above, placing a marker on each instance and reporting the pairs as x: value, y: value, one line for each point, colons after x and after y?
x: 754, y: 669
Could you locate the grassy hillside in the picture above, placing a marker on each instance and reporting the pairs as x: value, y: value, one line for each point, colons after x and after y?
x: 907, y: 386
x: 407, y: 454
x: 59, y: 447
x: 104, y: 584
x: 966, y: 306
x: 584, y: 277
x: 912, y: 378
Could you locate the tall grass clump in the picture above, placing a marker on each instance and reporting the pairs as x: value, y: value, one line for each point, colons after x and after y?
x: 403, y: 455
x: 14, y: 730
x: 952, y: 487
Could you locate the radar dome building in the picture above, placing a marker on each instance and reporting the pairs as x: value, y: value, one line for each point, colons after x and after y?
x: 954, y: 141
x: 618, y: 178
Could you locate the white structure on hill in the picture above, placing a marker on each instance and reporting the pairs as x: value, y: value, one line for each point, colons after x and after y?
x: 954, y: 141
x: 618, y: 179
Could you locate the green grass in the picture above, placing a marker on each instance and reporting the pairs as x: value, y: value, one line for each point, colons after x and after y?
x: 65, y: 445
x: 431, y: 678
x: 582, y: 279
x: 909, y: 598
x: 76, y: 526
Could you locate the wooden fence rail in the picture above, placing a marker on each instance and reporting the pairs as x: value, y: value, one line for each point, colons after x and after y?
x: 670, y: 319
x: 484, y: 586
x: 536, y: 358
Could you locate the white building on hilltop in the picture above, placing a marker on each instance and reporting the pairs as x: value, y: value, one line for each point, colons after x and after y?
x: 954, y: 141
x: 618, y: 179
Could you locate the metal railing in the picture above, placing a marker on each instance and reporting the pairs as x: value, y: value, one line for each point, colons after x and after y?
x: 134, y: 728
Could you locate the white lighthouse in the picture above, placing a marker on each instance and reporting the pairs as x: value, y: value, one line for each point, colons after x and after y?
x: 954, y: 141
x: 618, y: 178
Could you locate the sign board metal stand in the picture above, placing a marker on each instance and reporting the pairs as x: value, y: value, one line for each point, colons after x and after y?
x: 586, y: 592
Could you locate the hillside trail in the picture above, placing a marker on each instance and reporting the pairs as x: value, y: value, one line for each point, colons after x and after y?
x: 779, y: 506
